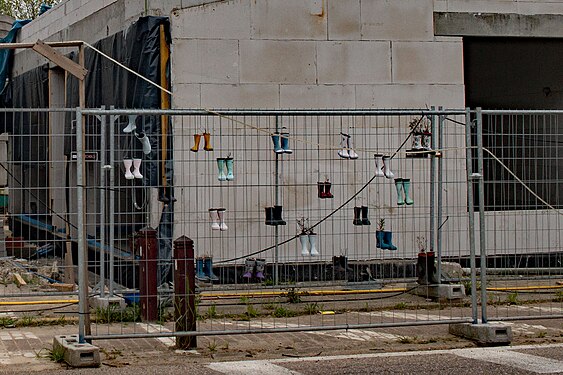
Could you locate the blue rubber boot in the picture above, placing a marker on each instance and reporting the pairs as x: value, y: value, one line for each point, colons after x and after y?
x: 230, y: 164
x: 208, y: 268
x: 387, y: 241
x: 379, y: 239
x: 285, y: 144
x: 199, y: 274
x: 406, y: 188
x: 221, y: 176
x: 276, y: 140
x: 399, y: 186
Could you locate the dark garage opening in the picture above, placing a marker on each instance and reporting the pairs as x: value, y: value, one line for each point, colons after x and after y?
x: 518, y: 73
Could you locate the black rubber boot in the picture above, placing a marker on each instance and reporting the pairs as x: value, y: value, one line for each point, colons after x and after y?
x: 278, y: 216
x: 365, y: 220
x: 270, y: 216
x: 357, y: 220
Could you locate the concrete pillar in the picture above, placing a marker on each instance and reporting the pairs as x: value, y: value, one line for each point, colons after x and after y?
x: 185, y: 313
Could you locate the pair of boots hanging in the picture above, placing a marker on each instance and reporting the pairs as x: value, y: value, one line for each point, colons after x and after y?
x: 197, y: 141
x: 281, y: 143
x: 308, y: 244
x: 136, y: 172
x: 403, y: 186
x: 217, y: 216
x: 204, y: 269
x: 383, y: 166
x: 140, y: 135
x: 364, y: 219
x: 254, y: 268
x: 225, y: 168
x: 323, y: 189
x: 347, y: 151
x: 274, y: 216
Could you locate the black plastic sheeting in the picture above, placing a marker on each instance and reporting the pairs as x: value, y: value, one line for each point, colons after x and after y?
x: 107, y: 84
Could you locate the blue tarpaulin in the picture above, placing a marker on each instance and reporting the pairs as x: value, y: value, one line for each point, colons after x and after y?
x: 7, y: 55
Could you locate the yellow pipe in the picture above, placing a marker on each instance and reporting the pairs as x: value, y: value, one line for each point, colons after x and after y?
x: 303, y: 293
x: 55, y: 302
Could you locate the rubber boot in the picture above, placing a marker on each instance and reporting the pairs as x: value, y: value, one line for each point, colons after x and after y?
x: 214, y: 216
x: 221, y: 176
x: 199, y: 274
x: 221, y: 215
x: 387, y: 167
x: 417, y: 141
x: 127, y: 163
x: 379, y: 239
x: 137, y: 168
x: 365, y: 220
x: 313, y: 243
x: 249, y: 264
x: 328, y: 186
x: 208, y: 268
x: 278, y: 216
x: 344, y: 263
x: 338, y: 271
x: 260, y: 267
x: 406, y: 188
x: 357, y: 220
x: 387, y: 241
x: 131, y: 125
x: 426, y: 268
x: 321, y: 190
x: 344, y: 144
x: 165, y: 194
x: 426, y: 141
x: 378, y: 165
x: 285, y: 143
x: 399, y: 187
x: 207, y: 142
x: 197, y: 139
x: 351, y: 151
x: 276, y: 140
x: 304, y: 239
x: 230, y: 165
x: 269, y: 215
x: 142, y: 137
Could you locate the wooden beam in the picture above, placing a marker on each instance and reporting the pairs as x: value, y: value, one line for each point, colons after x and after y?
x: 30, y: 45
x: 58, y: 58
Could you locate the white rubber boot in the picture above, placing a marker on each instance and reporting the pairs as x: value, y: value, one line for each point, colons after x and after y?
x: 221, y: 213
x: 127, y: 163
x: 137, y: 168
x: 313, y: 242
x: 214, y: 216
x: 387, y: 167
x: 131, y: 126
x: 304, y: 239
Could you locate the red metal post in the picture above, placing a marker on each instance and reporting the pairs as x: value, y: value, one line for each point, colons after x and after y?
x: 185, y: 313
x: 146, y: 244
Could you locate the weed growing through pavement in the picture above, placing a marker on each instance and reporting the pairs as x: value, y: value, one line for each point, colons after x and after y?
x: 56, y: 355
x: 312, y: 308
x: 407, y: 339
x: 113, y: 313
x: 400, y: 306
x: 512, y: 299
x: 211, y: 312
x: 282, y: 312
x: 212, y: 346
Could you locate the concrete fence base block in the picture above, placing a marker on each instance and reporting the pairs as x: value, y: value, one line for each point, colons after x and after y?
x: 488, y: 334
x: 438, y: 291
x: 117, y: 303
x: 75, y: 353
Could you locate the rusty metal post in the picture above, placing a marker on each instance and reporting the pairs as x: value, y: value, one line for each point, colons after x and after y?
x: 146, y: 244
x: 185, y: 314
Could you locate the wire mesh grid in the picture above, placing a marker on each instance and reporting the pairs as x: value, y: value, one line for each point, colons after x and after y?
x: 287, y: 211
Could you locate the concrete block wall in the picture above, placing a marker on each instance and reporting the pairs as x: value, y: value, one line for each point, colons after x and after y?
x: 314, y: 54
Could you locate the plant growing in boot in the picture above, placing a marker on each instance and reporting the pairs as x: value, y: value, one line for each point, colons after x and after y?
x: 383, y: 238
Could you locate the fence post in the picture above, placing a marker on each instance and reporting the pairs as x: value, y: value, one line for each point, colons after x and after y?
x: 81, y: 224
x: 147, y: 245
x: 185, y: 314
x: 471, y: 213
x: 483, y: 250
